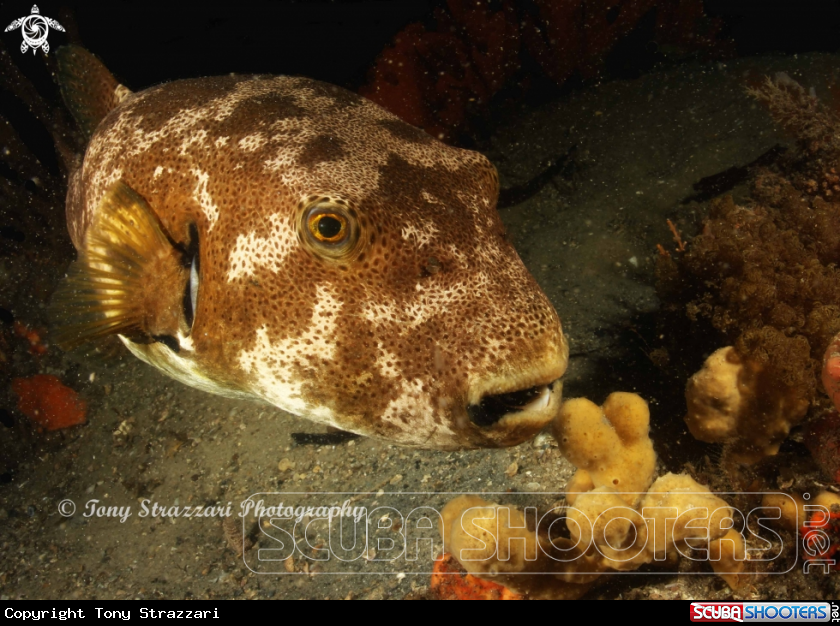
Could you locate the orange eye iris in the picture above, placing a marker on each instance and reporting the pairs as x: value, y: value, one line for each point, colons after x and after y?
x: 328, y: 227
x: 330, y: 230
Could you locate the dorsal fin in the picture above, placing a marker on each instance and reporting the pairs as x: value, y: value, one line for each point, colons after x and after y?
x: 89, y: 90
x: 128, y: 280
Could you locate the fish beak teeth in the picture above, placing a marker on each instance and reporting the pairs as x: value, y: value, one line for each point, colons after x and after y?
x: 541, y: 401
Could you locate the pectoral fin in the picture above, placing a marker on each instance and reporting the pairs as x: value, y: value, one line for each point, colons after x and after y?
x: 129, y: 278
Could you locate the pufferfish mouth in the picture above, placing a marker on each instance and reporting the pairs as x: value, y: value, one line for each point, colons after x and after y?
x: 509, y: 409
x: 492, y: 408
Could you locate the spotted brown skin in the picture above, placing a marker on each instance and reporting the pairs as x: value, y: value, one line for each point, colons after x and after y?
x: 426, y: 309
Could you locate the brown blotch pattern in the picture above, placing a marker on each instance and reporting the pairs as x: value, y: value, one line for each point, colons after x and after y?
x: 399, y: 348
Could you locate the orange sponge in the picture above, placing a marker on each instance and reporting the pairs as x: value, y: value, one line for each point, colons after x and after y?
x: 451, y: 582
x: 48, y: 402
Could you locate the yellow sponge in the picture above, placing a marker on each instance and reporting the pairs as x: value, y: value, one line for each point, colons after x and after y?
x: 609, y: 445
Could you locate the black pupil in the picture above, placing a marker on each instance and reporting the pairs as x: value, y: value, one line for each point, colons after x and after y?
x: 328, y: 227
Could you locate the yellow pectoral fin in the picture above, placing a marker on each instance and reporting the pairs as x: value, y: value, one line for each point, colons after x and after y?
x: 129, y: 278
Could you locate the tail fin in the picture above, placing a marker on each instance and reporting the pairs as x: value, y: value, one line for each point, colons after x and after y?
x: 89, y: 90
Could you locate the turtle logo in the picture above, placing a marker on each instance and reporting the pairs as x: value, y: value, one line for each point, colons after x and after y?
x: 35, y: 28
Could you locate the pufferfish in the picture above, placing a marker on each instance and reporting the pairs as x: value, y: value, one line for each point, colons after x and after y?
x: 286, y: 240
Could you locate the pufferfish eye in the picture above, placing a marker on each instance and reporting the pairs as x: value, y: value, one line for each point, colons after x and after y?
x: 328, y: 227
x: 331, y: 230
